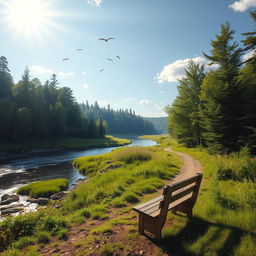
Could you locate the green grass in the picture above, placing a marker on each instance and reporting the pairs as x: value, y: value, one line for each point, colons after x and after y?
x: 43, y: 188
x: 68, y: 143
x: 224, y: 215
x: 124, y: 183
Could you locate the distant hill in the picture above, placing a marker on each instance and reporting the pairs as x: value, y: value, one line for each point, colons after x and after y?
x: 160, y: 123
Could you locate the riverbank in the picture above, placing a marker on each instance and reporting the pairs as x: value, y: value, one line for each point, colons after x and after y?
x: 52, y: 145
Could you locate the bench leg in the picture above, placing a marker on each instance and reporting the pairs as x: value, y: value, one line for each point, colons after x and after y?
x: 189, y: 213
x: 141, y: 224
x: 158, y: 234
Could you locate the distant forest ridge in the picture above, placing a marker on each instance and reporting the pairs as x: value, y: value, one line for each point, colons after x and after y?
x: 160, y: 123
x: 118, y: 121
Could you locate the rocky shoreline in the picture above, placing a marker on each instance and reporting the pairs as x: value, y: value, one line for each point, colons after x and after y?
x: 13, y: 204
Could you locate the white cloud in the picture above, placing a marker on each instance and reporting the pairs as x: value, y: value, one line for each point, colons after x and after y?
x: 38, y: 70
x: 65, y: 74
x: 242, y: 5
x: 249, y: 55
x: 95, y: 2
x: 176, y: 70
x: 144, y: 102
x: 83, y: 72
x: 86, y: 86
x: 102, y: 102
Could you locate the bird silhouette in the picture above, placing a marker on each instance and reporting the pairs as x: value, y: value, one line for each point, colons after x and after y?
x: 102, y: 70
x: 79, y: 49
x: 66, y: 59
x: 106, y: 39
x: 109, y: 59
x: 118, y: 57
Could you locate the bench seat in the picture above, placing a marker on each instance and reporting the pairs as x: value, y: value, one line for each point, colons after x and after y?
x: 180, y: 196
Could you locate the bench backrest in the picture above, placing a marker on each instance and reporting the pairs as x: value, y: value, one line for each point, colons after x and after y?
x: 176, y: 191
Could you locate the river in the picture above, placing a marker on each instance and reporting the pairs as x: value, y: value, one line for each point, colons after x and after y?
x: 25, y: 168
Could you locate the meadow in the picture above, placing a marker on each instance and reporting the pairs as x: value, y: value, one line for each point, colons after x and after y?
x: 100, y: 208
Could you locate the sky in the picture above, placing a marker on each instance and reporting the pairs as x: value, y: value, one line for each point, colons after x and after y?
x: 153, y: 38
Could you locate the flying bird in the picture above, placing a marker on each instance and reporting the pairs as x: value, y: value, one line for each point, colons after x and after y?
x: 102, y: 70
x: 118, y: 57
x: 109, y: 59
x: 106, y: 39
x: 66, y: 59
x: 79, y: 49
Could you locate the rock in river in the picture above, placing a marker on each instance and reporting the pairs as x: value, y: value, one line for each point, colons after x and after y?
x: 58, y: 196
x: 8, y: 199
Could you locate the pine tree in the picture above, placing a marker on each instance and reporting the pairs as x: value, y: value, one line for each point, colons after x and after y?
x: 222, y: 95
x: 184, y: 118
x: 250, y: 42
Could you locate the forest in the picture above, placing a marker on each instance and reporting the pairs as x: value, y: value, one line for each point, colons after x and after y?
x: 216, y: 107
x: 118, y: 121
x: 31, y: 110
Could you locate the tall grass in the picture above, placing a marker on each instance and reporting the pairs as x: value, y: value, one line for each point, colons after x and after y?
x: 135, y: 166
x: 43, y: 188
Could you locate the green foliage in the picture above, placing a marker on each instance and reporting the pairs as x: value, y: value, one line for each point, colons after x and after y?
x: 43, y: 188
x: 131, y: 198
x: 43, y: 237
x: 63, y: 234
x: 141, y: 173
x: 117, y: 121
x: 35, y: 111
x: 184, y: 120
x: 23, y: 242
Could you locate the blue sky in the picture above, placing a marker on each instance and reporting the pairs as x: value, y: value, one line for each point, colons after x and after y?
x: 154, y: 39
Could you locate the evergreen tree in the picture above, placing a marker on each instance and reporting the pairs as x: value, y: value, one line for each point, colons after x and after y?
x: 184, y: 118
x: 222, y: 95
x: 250, y: 42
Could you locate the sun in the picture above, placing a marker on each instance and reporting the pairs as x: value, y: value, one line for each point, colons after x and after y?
x: 28, y: 17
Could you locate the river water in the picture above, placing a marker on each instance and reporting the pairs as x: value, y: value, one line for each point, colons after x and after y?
x: 25, y: 168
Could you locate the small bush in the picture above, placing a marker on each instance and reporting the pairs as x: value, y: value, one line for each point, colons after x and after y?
x: 53, y: 223
x: 131, y: 198
x: 63, y: 234
x: 225, y: 174
x: 23, y: 242
x: 43, y: 188
x: 248, y: 171
x: 98, y: 212
x: 43, y: 237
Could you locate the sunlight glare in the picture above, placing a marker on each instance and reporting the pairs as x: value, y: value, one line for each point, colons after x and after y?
x: 29, y: 17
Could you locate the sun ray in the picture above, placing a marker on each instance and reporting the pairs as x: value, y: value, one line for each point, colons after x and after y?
x: 28, y: 18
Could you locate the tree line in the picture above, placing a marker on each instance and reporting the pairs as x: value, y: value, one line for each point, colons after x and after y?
x: 118, y: 121
x: 217, y: 108
x: 30, y: 109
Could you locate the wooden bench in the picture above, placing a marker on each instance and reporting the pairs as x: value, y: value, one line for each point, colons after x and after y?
x: 180, y: 196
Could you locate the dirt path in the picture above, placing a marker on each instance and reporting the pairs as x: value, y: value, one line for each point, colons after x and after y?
x: 120, y: 233
x: 190, y: 166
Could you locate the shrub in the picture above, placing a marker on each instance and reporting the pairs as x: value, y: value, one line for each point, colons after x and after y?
x: 63, y: 234
x: 248, y: 171
x: 23, y: 242
x: 225, y: 174
x: 53, y: 223
x: 131, y: 198
x: 43, y: 237
x: 43, y: 188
